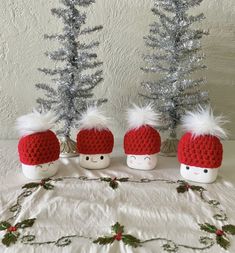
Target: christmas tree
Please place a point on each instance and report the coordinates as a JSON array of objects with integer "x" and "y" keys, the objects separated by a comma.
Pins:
[
  {"x": 176, "y": 46},
  {"x": 75, "y": 79}
]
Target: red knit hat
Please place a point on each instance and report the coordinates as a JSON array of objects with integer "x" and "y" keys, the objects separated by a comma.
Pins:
[
  {"x": 94, "y": 136},
  {"x": 38, "y": 145},
  {"x": 201, "y": 146},
  {"x": 142, "y": 138}
]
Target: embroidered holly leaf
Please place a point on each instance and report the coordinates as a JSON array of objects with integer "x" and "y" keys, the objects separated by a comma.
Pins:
[
  {"x": 123, "y": 179},
  {"x": 30, "y": 185},
  {"x": 47, "y": 179},
  {"x": 208, "y": 228},
  {"x": 113, "y": 184},
  {"x": 58, "y": 179},
  {"x": 26, "y": 223},
  {"x": 223, "y": 242},
  {"x": 4, "y": 225},
  {"x": 104, "y": 240},
  {"x": 197, "y": 188},
  {"x": 181, "y": 182},
  {"x": 106, "y": 179},
  {"x": 48, "y": 186},
  {"x": 117, "y": 228},
  {"x": 131, "y": 240},
  {"x": 10, "y": 238},
  {"x": 229, "y": 229},
  {"x": 181, "y": 189}
]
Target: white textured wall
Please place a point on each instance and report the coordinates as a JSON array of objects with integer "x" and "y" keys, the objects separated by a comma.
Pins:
[{"x": 24, "y": 22}]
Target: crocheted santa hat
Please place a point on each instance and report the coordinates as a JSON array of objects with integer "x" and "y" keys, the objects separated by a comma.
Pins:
[
  {"x": 201, "y": 146},
  {"x": 38, "y": 144},
  {"x": 142, "y": 138},
  {"x": 94, "y": 136}
]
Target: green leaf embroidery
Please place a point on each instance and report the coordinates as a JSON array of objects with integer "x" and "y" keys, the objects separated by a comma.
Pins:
[
  {"x": 26, "y": 223},
  {"x": 30, "y": 185},
  {"x": 123, "y": 179},
  {"x": 208, "y": 228},
  {"x": 229, "y": 229},
  {"x": 106, "y": 179},
  {"x": 131, "y": 240},
  {"x": 117, "y": 228},
  {"x": 10, "y": 238},
  {"x": 113, "y": 184},
  {"x": 48, "y": 186},
  {"x": 46, "y": 180},
  {"x": 181, "y": 189},
  {"x": 104, "y": 240},
  {"x": 224, "y": 243},
  {"x": 196, "y": 188},
  {"x": 4, "y": 225}
]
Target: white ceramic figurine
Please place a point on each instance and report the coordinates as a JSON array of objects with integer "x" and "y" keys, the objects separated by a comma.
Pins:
[
  {"x": 142, "y": 141},
  {"x": 38, "y": 147},
  {"x": 94, "y": 140},
  {"x": 200, "y": 150}
]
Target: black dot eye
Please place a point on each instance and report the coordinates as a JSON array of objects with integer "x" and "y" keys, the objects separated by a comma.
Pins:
[
  {"x": 102, "y": 157},
  {"x": 187, "y": 168},
  {"x": 205, "y": 171},
  {"x": 87, "y": 158}
]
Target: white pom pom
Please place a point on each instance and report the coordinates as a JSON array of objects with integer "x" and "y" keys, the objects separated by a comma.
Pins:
[
  {"x": 140, "y": 116},
  {"x": 35, "y": 122},
  {"x": 203, "y": 122},
  {"x": 93, "y": 118}
]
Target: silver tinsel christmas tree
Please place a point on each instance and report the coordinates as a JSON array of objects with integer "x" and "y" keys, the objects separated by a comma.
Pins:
[
  {"x": 176, "y": 55},
  {"x": 74, "y": 79}
]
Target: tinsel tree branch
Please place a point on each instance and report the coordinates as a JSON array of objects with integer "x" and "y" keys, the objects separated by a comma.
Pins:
[
  {"x": 176, "y": 47},
  {"x": 71, "y": 91}
]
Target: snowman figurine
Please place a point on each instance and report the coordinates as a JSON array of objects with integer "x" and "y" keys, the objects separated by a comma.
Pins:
[
  {"x": 200, "y": 150},
  {"x": 94, "y": 140},
  {"x": 142, "y": 141},
  {"x": 38, "y": 146}
]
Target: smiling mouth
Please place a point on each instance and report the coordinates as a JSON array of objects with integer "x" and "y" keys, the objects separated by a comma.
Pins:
[
  {"x": 44, "y": 170},
  {"x": 94, "y": 161},
  {"x": 195, "y": 173}
]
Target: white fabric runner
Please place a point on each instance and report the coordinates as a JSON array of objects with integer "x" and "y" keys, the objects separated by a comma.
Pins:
[{"x": 89, "y": 208}]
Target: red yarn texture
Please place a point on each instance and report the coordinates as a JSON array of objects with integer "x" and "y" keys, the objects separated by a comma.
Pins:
[
  {"x": 142, "y": 141},
  {"x": 39, "y": 148},
  {"x": 93, "y": 141},
  {"x": 205, "y": 151}
]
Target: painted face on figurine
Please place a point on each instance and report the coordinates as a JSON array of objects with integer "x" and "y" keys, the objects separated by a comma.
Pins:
[
  {"x": 40, "y": 171},
  {"x": 142, "y": 162},
  {"x": 198, "y": 174},
  {"x": 98, "y": 161}
]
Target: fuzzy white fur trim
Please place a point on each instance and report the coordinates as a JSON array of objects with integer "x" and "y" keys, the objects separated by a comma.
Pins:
[
  {"x": 93, "y": 118},
  {"x": 35, "y": 122},
  {"x": 203, "y": 122},
  {"x": 140, "y": 116}
]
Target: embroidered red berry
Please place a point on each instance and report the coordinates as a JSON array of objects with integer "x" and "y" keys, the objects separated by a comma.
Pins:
[
  {"x": 42, "y": 182},
  {"x": 188, "y": 186},
  {"x": 118, "y": 236},
  {"x": 12, "y": 229},
  {"x": 219, "y": 232}
]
